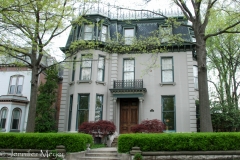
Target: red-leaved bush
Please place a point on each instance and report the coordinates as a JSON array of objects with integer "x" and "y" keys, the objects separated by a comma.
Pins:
[
  {"x": 149, "y": 126},
  {"x": 100, "y": 128}
]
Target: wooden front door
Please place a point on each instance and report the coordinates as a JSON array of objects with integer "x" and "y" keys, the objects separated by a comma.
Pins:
[{"x": 128, "y": 114}]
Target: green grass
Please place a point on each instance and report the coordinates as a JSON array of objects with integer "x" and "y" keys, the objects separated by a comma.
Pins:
[{"x": 97, "y": 146}]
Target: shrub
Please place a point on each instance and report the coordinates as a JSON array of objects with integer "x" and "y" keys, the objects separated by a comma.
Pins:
[
  {"x": 149, "y": 126},
  {"x": 137, "y": 156},
  {"x": 179, "y": 141},
  {"x": 100, "y": 128},
  {"x": 47, "y": 141}
]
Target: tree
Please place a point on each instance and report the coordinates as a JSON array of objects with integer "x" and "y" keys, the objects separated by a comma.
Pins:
[
  {"x": 45, "y": 121},
  {"x": 26, "y": 28},
  {"x": 199, "y": 13},
  {"x": 223, "y": 54}
]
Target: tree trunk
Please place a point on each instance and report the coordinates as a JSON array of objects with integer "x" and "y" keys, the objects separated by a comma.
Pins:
[
  {"x": 33, "y": 101},
  {"x": 205, "y": 114}
]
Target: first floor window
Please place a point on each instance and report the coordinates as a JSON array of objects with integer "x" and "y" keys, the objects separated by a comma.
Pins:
[
  {"x": 16, "y": 84},
  {"x": 99, "y": 107},
  {"x": 167, "y": 69},
  {"x": 168, "y": 112},
  {"x": 16, "y": 114},
  {"x": 70, "y": 113},
  {"x": 3, "y": 118},
  {"x": 83, "y": 109}
]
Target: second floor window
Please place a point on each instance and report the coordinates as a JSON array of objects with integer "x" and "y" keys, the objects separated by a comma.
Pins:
[
  {"x": 128, "y": 35},
  {"x": 128, "y": 69},
  {"x": 88, "y": 32},
  {"x": 167, "y": 69},
  {"x": 101, "y": 66},
  {"x": 195, "y": 76},
  {"x": 16, "y": 85},
  {"x": 86, "y": 67}
]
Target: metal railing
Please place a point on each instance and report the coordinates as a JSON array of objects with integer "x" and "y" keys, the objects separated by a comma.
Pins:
[{"x": 128, "y": 84}]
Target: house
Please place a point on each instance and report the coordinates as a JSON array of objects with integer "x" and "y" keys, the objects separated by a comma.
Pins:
[
  {"x": 15, "y": 94},
  {"x": 123, "y": 87}
]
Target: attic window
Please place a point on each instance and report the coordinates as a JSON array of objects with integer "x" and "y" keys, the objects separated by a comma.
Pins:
[
  {"x": 88, "y": 32},
  {"x": 129, "y": 34},
  {"x": 165, "y": 33},
  {"x": 104, "y": 33}
]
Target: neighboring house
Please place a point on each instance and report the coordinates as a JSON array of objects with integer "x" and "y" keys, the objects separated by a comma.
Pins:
[
  {"x": 15, "y": 95},
  {"x": 112, "y": 86}
]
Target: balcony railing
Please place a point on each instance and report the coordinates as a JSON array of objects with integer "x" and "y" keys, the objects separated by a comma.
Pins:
[{"x": 128, "y": 84}]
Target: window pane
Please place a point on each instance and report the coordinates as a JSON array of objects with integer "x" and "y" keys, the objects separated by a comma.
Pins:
[
  {"x": 98, "y": 115},
  {"x": 13, "y": 80},
  {"x": 128, "y": 65},
  {"x": 129, "y": 32},
  {"x": 16, "y": 114},
  {"x": 88, "y": 36},
  {"x": 4, "y": 113},
  {"x": 86, "y": 62},
  {"x": 12, "y": 89},
  {"x": 101, "y": 62},
  {"x": 167, "y": 76},
  {"x": 167, "y": 63},
  {"x": 195, "y": 71},
  {"x": 169, "y": 112},
  {"x": 100, "y": 75},
  {"x": 3, "y": 123},
  {"x": 99, "y": 102},
  {"x": 19, "y": 89},
  {"x": 20, "y": 80},
  {"x": 83, "y": 102},
  {"x": 88, "y": 28},
  {"x": 86, "y": 74},
  {"x": 129, "y": 76},
  {"x": 82, "y": 116},
  {"x": 15, "y": 119},
  {"x": 3, "y": 118},
  {"x": 168, "y": 104},
  {"x": 104, "y": 29},
  {"x": 168, "y": 118}
]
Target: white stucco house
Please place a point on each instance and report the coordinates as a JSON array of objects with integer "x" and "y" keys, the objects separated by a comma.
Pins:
[{"x": 117, "y": 86}]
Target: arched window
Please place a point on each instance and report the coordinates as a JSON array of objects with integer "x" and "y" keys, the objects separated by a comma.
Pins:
[
  {"x": 16, "y": 84},
  {"x": 3, "y": 115},
  {"x": 16, "y": 115}
]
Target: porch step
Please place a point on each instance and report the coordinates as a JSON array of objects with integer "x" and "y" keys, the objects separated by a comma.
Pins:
[
  {"x": 108, "y": 153},
  {"x": 115, "y": 142}
]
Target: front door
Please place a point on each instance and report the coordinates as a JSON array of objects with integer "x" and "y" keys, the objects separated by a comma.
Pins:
[{"x": 128, "y": 114}]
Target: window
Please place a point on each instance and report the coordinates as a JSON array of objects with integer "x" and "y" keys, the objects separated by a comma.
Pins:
[
  {"x": 168, "y": 112},
  {"x": 88, "y": 32},
  {"x": 128, "y": 35},
  {"x": 165, "y": 33},
  {"x": 16, "y": 85},
  {"x": 16, "y": 114},
  {"x": 3, "y": 118},
  {"x": 73, "y": 68},
  {"x": 167, "y": 69},
  {"x": 70, "y": 113},
  {"x": 99, "y": 107},
  {"x": 86, "y": 67},
  {"x": 101, "y": 67},
  {"x": 83, "y": 109},
  {"x": 128, "y": 69},
  {"x": 195, "y": 76},
  {"x": 104, "y": 33}
]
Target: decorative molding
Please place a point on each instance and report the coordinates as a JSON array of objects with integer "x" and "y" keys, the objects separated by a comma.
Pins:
[
  {"x": 141, "y": 99},
  {"x": 167, "y": 83},
  {"x": 100, "y": 82},
  {"x": 84, "y": 81},
  {"x": 114, "y": 99},
  {"x": 71, "y": 83}
]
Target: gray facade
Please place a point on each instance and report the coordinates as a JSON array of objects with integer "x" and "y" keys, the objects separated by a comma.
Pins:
[{"x": 127, "y": 88}]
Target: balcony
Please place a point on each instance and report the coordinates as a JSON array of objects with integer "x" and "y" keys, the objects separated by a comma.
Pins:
[{"x": 128, "y": 88}]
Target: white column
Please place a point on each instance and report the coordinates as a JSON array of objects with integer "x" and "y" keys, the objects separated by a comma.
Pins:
[
  {"x": 140, "y": 113},
  {"x": 115, "y": 111}
]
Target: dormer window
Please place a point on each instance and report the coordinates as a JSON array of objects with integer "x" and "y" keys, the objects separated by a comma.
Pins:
[
  {"x": 104, "y": 33},
  {"x": 165, "y": 33},
  {"x": 129, "y": 34},
  {"x": 16, "y": 85},
  {"x": 88, "y": 32}
]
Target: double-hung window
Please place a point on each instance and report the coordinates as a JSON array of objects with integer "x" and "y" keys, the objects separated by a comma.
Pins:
[
  {"x": 86, "y": 67},
  {"x": 70, "y": 113},
  {"x": 88, "y": 32},
  {"x": 16, "y": 115},
  {"x": 73, "y": 68},
  {"x": 195, "y": 76},
  {"x": 3, "y": 118},
  {"x": 168, "y": 112},
  {"x": 83, "y": 109},
  {"x": 165, "y": 33},
  {"x": 101, "y": 68},
  {"x": 16, "y": 85},
  {"x": 128, "y": 72},
  {"x": 129, "y": 34},
  {"x": 104, "y": 33},
  {"x": 167, "y": 69},
  {"x": 99, "y": 107}
]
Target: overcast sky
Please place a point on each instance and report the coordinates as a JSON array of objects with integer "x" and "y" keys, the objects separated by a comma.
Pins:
[{"x": 61, "y": 40}]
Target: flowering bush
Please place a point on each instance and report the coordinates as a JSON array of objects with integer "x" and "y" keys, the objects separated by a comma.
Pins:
[
  {"x": 100, "y": 128},
  {"x": 149, "y": 126}
]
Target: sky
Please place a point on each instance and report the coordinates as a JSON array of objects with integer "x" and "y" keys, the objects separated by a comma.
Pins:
[{"x": 61, "y": 40}]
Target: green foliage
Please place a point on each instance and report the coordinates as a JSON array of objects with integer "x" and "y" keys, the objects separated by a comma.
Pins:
[
  {"x": 179, "y": 142},
  {"x": 45, "y": 121},
  {"x": 97, "y": 146},
  {"x": 137, "y": 156},
  {"x": 47, "y": 141}
]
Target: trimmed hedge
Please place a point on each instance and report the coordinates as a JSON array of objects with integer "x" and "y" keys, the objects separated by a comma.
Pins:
[
  {"x": 73, "y": 142},
  {"x": 179, "y": 142}
]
